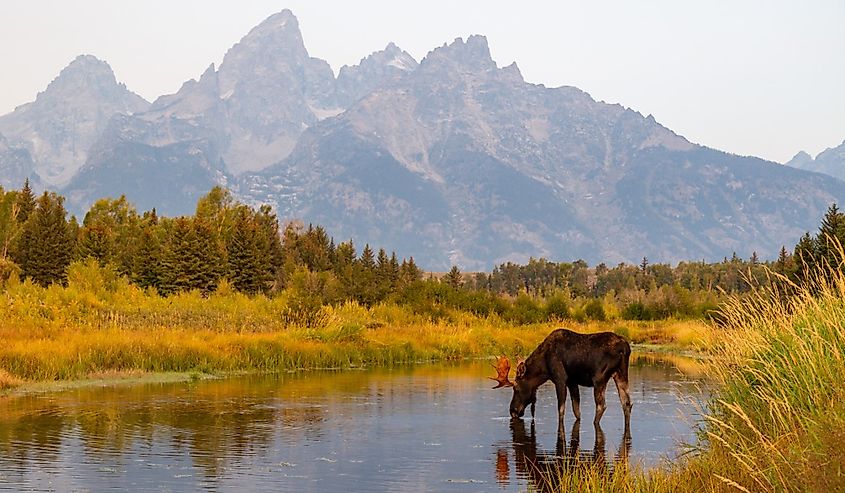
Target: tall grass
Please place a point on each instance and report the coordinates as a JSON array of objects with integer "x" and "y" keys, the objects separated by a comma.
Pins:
[
  {"x": 101, "y": 323},
  {"x": 777, "y": 422}
]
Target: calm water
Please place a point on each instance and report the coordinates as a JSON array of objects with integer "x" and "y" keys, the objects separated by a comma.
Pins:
[{"x": 426, "y": 428}]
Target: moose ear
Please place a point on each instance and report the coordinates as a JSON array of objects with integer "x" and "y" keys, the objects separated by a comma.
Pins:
[{"x": 520, "y": 369}]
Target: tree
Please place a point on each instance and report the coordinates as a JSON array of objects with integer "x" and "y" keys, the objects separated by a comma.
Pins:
[
  {"x": 365, "y": 289},
  {"x": 781, "y": 266},
  {"x": 805, "y": 257},
  {"x": 45, "y": 246},
  {"x": 831, "y": 238},
  {"x": 192, "y": 259},
  {"x": 247, "y": 259},
  {"x": 454, "y": 278},
  {"x": 147, "y": 263},
  {"x": 409, "y": 272},
  {"x": 110, "y": 233},
  {"x": 25, "y": 202}
]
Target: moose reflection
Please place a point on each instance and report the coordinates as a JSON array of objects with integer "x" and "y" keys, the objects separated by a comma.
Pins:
[{"x": 544, "y": 469}]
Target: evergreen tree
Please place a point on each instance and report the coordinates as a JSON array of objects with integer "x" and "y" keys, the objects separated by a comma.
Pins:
[
  {"x": 781, "y": 267},
  {"x": 44, "y": 248},
  {"x": 454, "y": 278},
  {"x": 96, "y": 241},
  {"x": 147, "y": 264},
  {"x": 247, "y": 260},
  {"x": 344, "y": 268},
  {"x": 805, "y": 257},
  {"x": 831, "y": 238},
  {"x": 365, "y": 267},
  {"x": 192, "y": 259},
  {"x": 25, "y": 203},
  {"x": 409, "y": 272}
]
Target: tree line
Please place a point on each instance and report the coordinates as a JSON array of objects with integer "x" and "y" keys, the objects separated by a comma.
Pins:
[
  {"x": 247, "y": 247},
  {"x": 224, "y": 239}
]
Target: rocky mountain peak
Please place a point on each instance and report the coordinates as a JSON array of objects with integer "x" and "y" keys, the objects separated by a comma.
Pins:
[
  {"x": 372, "y": 72},
  {"x": 800, "y": 160},
  {"x": 88, "y": 77},
  {"x": 472, "y": 54}
]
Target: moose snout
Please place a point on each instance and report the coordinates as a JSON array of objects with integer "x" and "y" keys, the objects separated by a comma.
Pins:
[{"x": 517, "y": 412}]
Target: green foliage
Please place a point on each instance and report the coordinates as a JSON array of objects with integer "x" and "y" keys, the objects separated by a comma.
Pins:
[{"x": 44, "y": 247}]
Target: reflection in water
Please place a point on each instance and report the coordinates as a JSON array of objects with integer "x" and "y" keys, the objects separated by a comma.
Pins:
[
  {"x": 435, "y": 428},
  {"x": 544, "y": 469}
]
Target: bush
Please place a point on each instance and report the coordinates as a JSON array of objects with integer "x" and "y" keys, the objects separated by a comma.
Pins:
[{"x": 557, "y": 307}]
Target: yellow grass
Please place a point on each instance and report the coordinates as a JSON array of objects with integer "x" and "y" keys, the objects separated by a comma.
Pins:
[{"x": 104, "y": 325}]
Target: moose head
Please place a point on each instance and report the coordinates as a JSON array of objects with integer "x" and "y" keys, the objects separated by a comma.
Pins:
[{"x": 523, "y": 393}]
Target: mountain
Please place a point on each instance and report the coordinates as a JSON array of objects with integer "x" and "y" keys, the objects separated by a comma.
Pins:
[
  {"x": 462, "y": 162},
  {"x": 242, "y": 117},
  {"x": 52, "y": 135},
  {"x": 379, "y": 69},
  {"x": 451, "y": 159},
  {"x": 831, "y": 161}
]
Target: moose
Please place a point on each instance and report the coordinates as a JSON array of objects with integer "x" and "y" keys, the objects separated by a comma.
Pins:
[{"x": 570, "y": 360}]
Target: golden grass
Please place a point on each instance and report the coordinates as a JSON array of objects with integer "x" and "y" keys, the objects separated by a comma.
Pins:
[
  {"x": 101, "y": 324},
  {"x": 778, "y": 420}
]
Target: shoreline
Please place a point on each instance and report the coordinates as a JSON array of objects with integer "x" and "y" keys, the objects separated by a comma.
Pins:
[{"x": 140, "y": 377}]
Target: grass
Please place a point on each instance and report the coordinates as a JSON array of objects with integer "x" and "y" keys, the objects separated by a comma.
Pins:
[
  {"x": 778, "y": 420},
  {"x": 102, "y": 325}
]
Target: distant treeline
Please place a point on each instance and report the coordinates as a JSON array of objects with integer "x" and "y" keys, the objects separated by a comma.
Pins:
[{"x": 247, "y": 247}]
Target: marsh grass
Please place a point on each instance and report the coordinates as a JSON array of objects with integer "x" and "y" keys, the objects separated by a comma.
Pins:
[
  {"x": 777, "y": 422},
  {"x": 101, "y": 324}
]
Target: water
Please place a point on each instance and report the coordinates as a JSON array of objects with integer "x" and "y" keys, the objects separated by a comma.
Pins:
[{"x": 425, "y": 428}]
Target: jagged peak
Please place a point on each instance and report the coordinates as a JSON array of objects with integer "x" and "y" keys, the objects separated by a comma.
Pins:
[
  {"x": 513, "y": 70},
  {"x": 85, "y": 66},
  {"x": 473, "y": 53},
  {"x": 391, "y": 55},
  {"x": 281, "y": 26},
  {"x": 87, "y": 74}
]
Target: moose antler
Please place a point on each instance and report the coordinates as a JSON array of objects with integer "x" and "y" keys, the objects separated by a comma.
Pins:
[{"x": 503, "y": 367}]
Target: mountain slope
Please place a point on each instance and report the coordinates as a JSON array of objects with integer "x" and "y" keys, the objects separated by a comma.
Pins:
[
  {"x": 463, "y": 162},
  {"x": 60, "y": 126},
  {"x": 831, "y": 162}
]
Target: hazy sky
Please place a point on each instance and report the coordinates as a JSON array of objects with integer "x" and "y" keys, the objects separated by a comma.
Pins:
[{"x": 764, "y": 78}]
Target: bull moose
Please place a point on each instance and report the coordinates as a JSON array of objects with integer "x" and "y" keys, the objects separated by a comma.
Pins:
[{"x": 570, "y": 360}]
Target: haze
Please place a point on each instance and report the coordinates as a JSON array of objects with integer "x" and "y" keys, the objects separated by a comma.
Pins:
[{"x": 754, "y": 78}]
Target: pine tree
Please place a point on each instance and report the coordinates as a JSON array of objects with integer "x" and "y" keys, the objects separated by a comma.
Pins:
[
  {"x": 831, "y": 238},
  {"x": 365, "y": 288},
  {"x": 96, "y": 241},
  {"x": 45, "y": 246},
  {"x": 454, "y": 278},
  {"x": 344, "y": 268},
  {"x": 147, "y": 268},
  {"x": 782, "y": 262},
  {"x": 25, "y": 203},
  {"x": 247, "y": 262},
  {"x": 409, "y": 272},
  {"x": 192, "y": 259},
  {"x": 805, "y": 257}
]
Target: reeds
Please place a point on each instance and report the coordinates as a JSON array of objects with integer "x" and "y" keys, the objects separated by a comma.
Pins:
[{"x": 777, "y": 422}]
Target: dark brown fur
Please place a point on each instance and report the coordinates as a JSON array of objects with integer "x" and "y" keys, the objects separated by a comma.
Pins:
[{"x": 570, "y": 360}]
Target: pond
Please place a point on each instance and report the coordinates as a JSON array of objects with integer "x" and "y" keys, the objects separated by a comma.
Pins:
[{"x": 435, "y": 427}]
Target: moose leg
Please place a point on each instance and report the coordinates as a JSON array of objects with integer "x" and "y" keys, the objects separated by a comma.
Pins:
[
  {"x": 598, "y": 393},
  {"x": 576, "y": 401},
  {"x": 560, "y": 388},
  {"x": 624, "y": 397}
]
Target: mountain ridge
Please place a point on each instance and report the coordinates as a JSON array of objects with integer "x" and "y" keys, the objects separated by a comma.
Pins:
[{"x": 451, "y": 159}]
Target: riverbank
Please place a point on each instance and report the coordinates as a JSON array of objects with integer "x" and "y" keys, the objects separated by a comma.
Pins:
[{"x": 58, "y": 334}]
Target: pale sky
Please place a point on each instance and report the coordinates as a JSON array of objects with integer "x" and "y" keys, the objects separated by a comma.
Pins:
[{"x": 763, "y": 78}]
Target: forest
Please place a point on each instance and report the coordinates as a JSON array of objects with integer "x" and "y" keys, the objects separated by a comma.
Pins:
[{"x": 251, "y": 251}]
